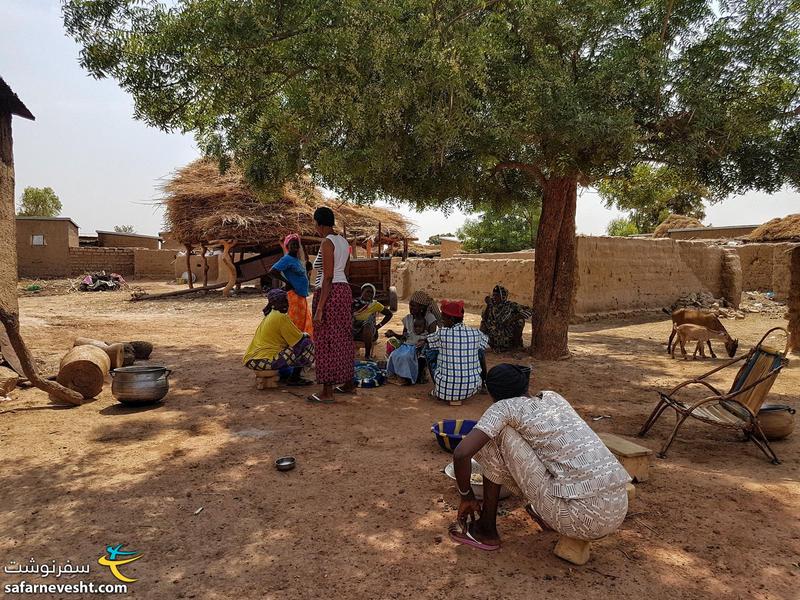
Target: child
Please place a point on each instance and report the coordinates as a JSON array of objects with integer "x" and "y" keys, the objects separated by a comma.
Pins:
[{"x": 404, "y": 359}]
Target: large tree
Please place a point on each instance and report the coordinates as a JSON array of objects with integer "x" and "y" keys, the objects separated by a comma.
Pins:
[
  {"x": 39, "y": 202},
  {"x": 454, "y": 102}
]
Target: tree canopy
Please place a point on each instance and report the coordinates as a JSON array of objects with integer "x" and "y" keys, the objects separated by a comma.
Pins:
[
  {"x": 651, "y": 194},
  {"x": 38, "y": 202},
  {"x": 124, "y": 228},
  {"x": 448, "y": 103},
  {"x": 498, "y": 230},
  {"x": 622, "y": 227}
]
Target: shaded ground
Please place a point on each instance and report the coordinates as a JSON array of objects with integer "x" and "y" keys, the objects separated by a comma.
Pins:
[{"x": 365, "y": 513}]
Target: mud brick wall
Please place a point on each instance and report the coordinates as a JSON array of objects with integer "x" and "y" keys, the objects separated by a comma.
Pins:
[
  {"x": 766, "y": 268},
  {"x": 154, "y": 264},
  {"x": 83, "y": 261},
  {"x": 614, "y": 275}
]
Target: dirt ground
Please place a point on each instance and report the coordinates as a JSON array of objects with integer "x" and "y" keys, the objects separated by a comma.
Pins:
[{"x": 365, "y": 513}]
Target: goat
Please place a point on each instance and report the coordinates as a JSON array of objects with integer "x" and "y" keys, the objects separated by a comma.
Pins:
[
  {"x": 695, "y": 333},
  {"x": 705, "y": 319}
]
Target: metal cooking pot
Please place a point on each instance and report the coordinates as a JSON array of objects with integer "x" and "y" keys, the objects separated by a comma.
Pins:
[{"x": 140, "y": 385}]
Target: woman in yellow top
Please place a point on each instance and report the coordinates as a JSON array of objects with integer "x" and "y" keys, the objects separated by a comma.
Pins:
[
  {"x": 365, "y": 325},
  {"x": 278, "y": 343}
]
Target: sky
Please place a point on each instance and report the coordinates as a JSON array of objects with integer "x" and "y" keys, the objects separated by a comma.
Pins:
[{"x": 106, "y": 167}]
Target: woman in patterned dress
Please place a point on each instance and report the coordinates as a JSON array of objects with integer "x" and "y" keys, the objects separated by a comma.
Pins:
[
  {"x": 333, "y": 336},
  {"x": 503, "y": 321},
  {"x": 537, "y": 447}
]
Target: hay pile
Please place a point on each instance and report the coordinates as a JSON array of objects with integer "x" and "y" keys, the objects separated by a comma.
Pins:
[
  {"x": 675, "y": 222},
  {"x": 203, "y": 204},
  {"x": 778, "y": 230}
]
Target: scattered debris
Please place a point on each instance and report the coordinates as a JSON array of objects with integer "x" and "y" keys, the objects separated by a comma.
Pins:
[
  {"x": 752, "y": 303},
  {"x": 198, "y": 511},
  {"x": 100, "y": 282}
]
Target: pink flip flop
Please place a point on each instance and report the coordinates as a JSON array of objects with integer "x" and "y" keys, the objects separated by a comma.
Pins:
[{"x": 466, "y": 538}]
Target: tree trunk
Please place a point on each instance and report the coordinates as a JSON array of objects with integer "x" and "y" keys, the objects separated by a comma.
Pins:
[{"x": 554, "y": 269}]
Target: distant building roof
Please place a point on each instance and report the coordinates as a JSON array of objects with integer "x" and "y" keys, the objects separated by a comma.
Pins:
[
  {"x": 139, "y": 235},
  {"x": 713, "y": 228},
  {"x": 21, "y": 218},
  {"x": 10, "y": 102},
  {"x": 449, "y": 239}
]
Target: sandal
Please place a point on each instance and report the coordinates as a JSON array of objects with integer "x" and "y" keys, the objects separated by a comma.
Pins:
[
  {"x": 465, "y": 537},
  {"x": 315, "y": 399},
  {"x": 339, "y": 389}
]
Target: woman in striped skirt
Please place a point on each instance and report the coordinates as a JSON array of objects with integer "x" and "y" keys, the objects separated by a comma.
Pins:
[
  {"x": 331, "y": 306},
  {"x": 537, "y": 447}
]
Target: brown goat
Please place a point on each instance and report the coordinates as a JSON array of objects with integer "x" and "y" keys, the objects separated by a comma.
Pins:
[{"x": 703, "y": 318}]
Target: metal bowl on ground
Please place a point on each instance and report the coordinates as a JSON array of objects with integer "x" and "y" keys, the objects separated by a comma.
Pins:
[
  {"x": 776, "y": 420},
  {"x": 477, "y": 488},
  {"x": 139, "y": 386},
  {"x": 285, "y": 463}
]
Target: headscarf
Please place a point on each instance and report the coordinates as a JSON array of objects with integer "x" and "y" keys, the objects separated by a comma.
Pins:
[
  {"x": 501, "y": 291},
  {"x": 276, "y": 294},
  {"x": 289, "y": 238},
  {"x": 359, "y": 304},
  {"x": 453, "y": 308},
  {"x": 508, "y": 381},
  {"x": 422, "y": 298}
]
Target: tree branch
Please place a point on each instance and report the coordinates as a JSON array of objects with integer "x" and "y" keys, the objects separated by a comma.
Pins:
[{"x": 520, "y": 166}]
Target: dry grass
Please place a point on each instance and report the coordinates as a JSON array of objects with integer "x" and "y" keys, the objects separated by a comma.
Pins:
[
  {"x": 785, "y": 229},
  {"x": 675, "y": 222},
  {"x": 203, "y": 204}
]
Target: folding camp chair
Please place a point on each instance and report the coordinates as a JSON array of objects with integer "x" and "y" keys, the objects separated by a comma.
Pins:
[{"x": 738, "y": 409}]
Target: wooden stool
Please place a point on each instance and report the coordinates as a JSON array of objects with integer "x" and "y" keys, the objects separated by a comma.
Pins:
[
  {"x": 572, "y": 550},
  {"x": 634, "y": 458},
  {"x": 266, "y": 379}
]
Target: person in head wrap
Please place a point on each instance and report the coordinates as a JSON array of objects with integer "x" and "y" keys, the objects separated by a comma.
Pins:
[
  {"x": 455, "y": 355},
  {"x": 503, "y": 320},
  {"x": 421, "y": 304},
  {"x": 538, "y": 447},
  {"x": 291, "y": 270},
  {"x": 365, "y": 325},
  {"x": 278, "y": 344},
  {"x": 406, "y": 351}
]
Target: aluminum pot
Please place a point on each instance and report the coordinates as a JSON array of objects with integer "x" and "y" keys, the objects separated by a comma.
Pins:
[{"x": 137, "y": 386}]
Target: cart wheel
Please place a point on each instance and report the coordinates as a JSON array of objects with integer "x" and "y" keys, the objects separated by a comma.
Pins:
[{"x": 393, "y": 299}]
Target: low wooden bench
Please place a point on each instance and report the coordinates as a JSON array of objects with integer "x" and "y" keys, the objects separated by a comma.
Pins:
[
  {"x": 267, "y": 379},
  {"x": 634, "y": 457}
]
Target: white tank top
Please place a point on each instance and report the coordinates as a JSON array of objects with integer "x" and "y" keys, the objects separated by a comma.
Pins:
[{"x": 341, "y": 252}]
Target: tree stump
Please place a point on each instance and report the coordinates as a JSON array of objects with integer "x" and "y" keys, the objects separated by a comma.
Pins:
[{"x": 84, "y": 369}]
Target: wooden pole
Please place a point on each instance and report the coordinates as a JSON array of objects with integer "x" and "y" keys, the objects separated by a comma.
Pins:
[
  {"x": 380, "y": 253},
  {"x": 189, "y": 265},
  {"x": 369, "y": 248},
  {"x": 205, "y": 265},
  {"x": 227, "y": 260},
  {"x": 405, "y": 249},
  {"x": 241, "y": 258}
]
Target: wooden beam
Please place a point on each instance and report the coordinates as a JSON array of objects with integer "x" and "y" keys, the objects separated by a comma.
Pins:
[
  {"x": 405, "y": 249},
  {"x": 11, "y": 323},
  {"x": 182, "y": 292},
  {"x": 380, "y": 253}
]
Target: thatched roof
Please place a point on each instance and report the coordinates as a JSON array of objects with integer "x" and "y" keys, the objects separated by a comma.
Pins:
[
  {"x": 675, "y": 222},
  {"x": 203, "y": 204},
  {"x": 785, "y": 229}
]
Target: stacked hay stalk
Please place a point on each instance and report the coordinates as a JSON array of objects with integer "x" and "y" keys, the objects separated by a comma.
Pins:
[
  {"x": 675, "y": 222},
  {"x": 786, "y": 229}
]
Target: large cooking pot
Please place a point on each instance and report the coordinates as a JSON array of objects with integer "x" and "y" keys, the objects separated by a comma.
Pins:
[
  {"x": 137, "y": 386},
  {"x": 776, "y": 420}
]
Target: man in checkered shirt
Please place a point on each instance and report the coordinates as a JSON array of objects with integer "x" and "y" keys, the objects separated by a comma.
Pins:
[{"x": 459, "y": 369}]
